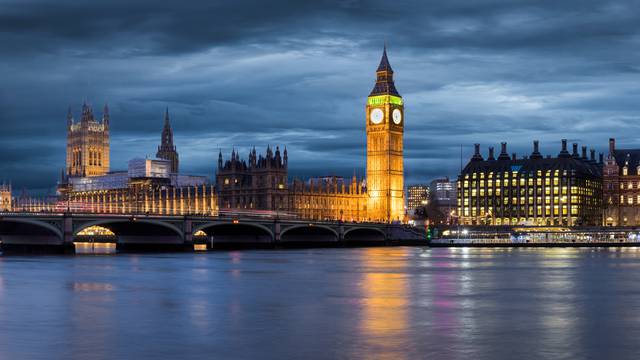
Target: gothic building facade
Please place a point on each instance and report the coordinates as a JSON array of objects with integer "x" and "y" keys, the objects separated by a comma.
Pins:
[
  {"x": 87, "y": 143},
  {"x": 259, "y": 184},
  {"x": 621, "y": 186}
]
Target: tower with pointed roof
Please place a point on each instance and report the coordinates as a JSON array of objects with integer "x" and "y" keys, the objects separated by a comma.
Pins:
[
  {"x": 385, "y": 129},
  {"x": 167, "y": 150},
  {"x": 87, "y": 143}
]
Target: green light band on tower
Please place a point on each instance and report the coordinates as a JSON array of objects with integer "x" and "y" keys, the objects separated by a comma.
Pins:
[{"x": 384, "y": 99}]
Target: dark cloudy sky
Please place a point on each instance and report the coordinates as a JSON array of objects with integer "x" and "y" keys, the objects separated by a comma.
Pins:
[{"x": 297, "y": 73}]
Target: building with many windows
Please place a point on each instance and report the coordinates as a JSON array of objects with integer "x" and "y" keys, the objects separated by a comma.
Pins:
[
  {"x": 417, "y": 196},
  {"x": 621, "y": 182},
  {"x": 534, "y": 190}
]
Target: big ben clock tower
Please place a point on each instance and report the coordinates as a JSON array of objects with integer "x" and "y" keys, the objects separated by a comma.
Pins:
[{"x": 385, "y": 127}]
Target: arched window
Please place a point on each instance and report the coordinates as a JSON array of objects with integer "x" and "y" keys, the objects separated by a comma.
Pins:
[{"x": 625, "y": 171}]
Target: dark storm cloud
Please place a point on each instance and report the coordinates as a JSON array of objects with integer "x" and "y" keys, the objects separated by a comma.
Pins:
[{"x": 296, "y": 73}]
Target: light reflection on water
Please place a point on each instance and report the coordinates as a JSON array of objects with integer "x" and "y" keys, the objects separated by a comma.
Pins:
[{"x": 374, "y": 303}]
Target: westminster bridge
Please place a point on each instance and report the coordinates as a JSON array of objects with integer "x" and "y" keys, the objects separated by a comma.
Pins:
[{"x": 64, "y": 232}]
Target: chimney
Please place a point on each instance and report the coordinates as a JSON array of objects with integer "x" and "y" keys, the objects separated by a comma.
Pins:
[
  {"x": 503, "y": 152},
  {"x": 476, "y": 153},
  {"x": 491, "y": 153},
  {"x": 575, "y": 154},
  {"x": 564, "y": 153},
  {"x": 536, "y": 150},
  {"x": 612, "y": 146},
  {"x": 584, "y": 153}
]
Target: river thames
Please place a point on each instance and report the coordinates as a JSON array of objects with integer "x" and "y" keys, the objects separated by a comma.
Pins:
[{"x": 369, "y": 303}]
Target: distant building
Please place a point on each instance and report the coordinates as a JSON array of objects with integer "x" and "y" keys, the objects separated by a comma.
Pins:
[
  {"x": 417, "y": 196},
  {"x": 443, "y": 192},
  {"x": 443, "y": 198},
  {"x": 621, "y": 182},
  {"x": 565, "y": 190},
  {"x": 6, "y": 199}
]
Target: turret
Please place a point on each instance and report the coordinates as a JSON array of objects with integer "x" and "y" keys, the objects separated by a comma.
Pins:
[
  {"x": 285, "y": 158},
  {"x": 105, "y": 116},
  {"x": 69, "y": 118},
  {"x": 87, "y": 113},
  {"x": 220, "y": 159}
]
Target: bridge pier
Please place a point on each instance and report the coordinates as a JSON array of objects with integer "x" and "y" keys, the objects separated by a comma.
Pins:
[
  {"x": 188, "y": 232},
  {"x": 67, "y": 225},
  {"x": 276, "y": 232}
]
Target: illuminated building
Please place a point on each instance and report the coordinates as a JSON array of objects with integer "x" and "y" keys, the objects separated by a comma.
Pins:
[
  {"x": 385, "y": 168},
  {"x": 329, "y": 198},
  {"x": 148, "y": 186},
  {"x": 167, "y": 150},
  {"x": 417, "y": 196},
  {"x": 621, "y": 181},
  {"x": 6, "y": 200},
  {"x": 259, "y": 184},
  {"x": 534, "y": 190},
  {"x": 88, "y": 144}
]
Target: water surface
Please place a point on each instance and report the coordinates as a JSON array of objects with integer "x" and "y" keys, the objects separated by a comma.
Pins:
[{"x": 373, "y": 303}]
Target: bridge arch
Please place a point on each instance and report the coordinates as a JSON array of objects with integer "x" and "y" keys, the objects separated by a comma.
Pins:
[
  {"x": 309, "y": 233},
  {"x": 28, "y": 227},
  {"x": 365, "y": 234},
  {"x": 236, "y": 232},
  {"x": 131, "y": 229}
]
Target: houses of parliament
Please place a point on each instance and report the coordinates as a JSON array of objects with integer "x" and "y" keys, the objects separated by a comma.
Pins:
[{"x": 258, "y": 184}]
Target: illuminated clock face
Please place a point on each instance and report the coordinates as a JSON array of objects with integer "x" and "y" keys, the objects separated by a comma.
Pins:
[
  {"x": 377, "y": 116},
  {"x": 397, "y": 116}
]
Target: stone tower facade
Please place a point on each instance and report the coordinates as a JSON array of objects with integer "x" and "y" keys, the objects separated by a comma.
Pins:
[
  {"x": 385, "y": 128},
  {"x": 167, "y": 150},
  {"x": 87, "y": 144}
]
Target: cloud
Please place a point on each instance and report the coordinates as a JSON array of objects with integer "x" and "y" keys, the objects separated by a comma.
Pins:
[{"x": 239, "y": 74}]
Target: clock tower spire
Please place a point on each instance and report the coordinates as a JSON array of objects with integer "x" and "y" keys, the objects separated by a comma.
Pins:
[{"x": 385, "y": 129}]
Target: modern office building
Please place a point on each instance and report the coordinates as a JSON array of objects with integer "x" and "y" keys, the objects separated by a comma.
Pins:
[{"x": 533, "y": 190}]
